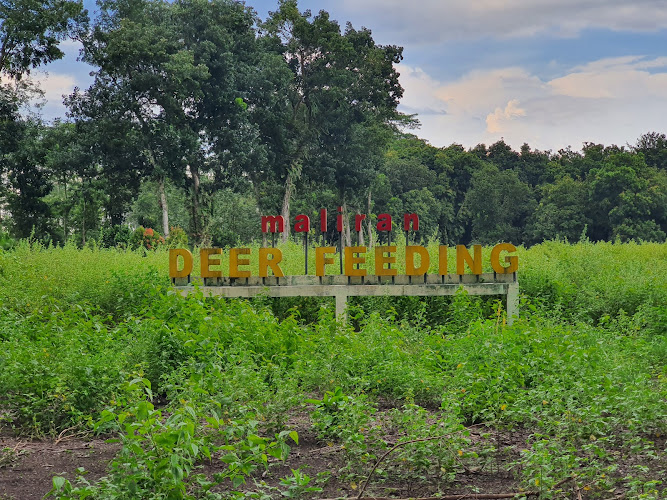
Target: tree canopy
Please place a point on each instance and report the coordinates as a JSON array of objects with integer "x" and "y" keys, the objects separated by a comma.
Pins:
[{"x": 203, "y": 116}]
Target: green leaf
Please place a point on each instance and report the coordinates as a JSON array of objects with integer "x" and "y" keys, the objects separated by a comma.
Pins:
[
  {"x": 143, "y": 410},
  {"x": 59, "y": 482},
  {"x": 256, "y": 440}
]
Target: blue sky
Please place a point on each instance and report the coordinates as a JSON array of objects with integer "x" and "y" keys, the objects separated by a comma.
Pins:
[{"x": 552, "y": 73}]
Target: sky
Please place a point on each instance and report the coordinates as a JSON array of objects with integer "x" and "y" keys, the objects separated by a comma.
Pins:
[{"x": 550, "y": 73}]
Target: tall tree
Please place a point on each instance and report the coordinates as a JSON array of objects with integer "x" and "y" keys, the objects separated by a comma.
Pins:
[
  {"x": 29, "y": 184},
  {"x": 561, "y": 212},
  {"x": 343, "y": 95},
  {"x": 30, "y": 34},
  {"x": 627, "y": 199},
  {"x": 31, "y": 31},
  {"x": 180, "y": 80},
  {"x": 497, "y": 206},
  {"x": 653, "y": 146},
  {"x": 146, "y": 79}
]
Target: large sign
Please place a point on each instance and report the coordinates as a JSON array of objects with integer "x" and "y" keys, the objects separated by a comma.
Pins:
[
  {"x": 355, "y": 277},
  {"x": 181, "y": 261},
  {"x": 352, "y": 258}
]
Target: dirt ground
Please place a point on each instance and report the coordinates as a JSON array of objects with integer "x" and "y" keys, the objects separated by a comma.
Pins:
[
  {"x": 27, "y": 469},
  {"x": 28, "y": 466}
]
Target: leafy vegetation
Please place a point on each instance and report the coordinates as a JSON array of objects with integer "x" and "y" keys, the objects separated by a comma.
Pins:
[
  {"x": 202, "y": 394},
  {"x": 202, "y": 116}
]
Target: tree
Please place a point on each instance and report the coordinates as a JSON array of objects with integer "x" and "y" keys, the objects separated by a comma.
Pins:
[
  {"x": 503, "y": 156},
  {"x": 31, "y": 31},
  {"x": 79, "y": 192},
  {"x": 146, "y": 79},
  {"x": 242, "y": 101},
  {"x": 627, "y": 199},
  {"x": 561, "y": 212},
  {"x": 343, "y": 95},
  {"x": 654, "y": 148},
  {"x": 456, "y": 173},
  {"x": 29, "y": 184},
  {"x": 179, "y": 80},
  {"x": 533, "y": 166},
  {"x": 497, "y": 206},
  {"x": 30, "y": 34},
  {"x": 423, "y": 202}
]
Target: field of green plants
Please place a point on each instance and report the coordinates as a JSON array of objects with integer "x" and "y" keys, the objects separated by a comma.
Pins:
[{"x": 211, "y": 398}]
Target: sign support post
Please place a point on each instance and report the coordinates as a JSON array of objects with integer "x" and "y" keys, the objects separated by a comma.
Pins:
[{"x": 341, "y": 288}]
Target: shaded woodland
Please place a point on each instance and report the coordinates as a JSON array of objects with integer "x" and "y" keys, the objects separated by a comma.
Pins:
[{"x": 203, "y": 117}]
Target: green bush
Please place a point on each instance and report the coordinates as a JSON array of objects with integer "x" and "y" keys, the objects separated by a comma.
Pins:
[{"x": 146, "y": 238}]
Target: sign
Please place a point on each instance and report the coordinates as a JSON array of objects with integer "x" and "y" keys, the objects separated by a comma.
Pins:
[
  {"x": 356, "y": 276},
  {"x": 417, "y": 261}
]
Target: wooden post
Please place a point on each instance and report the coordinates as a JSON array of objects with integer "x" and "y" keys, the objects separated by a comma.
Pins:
[
  {"x": 341, "y": 308},
  {"x": 512, "y": 302},
  {"x": 341, "y": 288},
  {"x": 305, "y": 245}
]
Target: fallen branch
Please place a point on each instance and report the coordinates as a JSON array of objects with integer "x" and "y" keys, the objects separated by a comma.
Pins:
[
  {"x": 370, "y": 474},
  {"x": 420, "y": 440},
  {"x": 63, "y": 436},
  {"x": 463, "y": 496},
  {"x": 449, "y": 497}
]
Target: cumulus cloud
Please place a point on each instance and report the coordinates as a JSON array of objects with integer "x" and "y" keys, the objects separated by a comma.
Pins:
[
  {"x": 55, "y": 85},
  {"x": 421, "y": 98},
  {"x": 434, "y": 21},
  {"x": 495, "y": 121},
  {"x": 612, "y": 101}
]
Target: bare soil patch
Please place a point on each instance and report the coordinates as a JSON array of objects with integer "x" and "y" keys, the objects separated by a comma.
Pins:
[{"x": 28, "y": 466}]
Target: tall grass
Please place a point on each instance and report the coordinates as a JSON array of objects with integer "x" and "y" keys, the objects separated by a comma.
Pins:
[{"x": 82, "y": 331}]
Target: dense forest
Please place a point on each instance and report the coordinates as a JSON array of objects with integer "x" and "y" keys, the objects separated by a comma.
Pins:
[{"x": 202, "y": 117}]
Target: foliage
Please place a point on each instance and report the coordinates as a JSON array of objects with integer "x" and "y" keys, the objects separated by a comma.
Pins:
[
  {"x": 145, "y": 238},
  {"x": 177, "y": 238},
  {"x": 93, "y": 339},
  {"x": 6, "y": 241},
  {"x": 31, "y": 32},
  {"x": 203, "y": 116},
  {"x": 115, "y": 236}
]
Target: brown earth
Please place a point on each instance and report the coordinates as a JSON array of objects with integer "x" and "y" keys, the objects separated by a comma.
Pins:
[{"x": 28, "y": 466}]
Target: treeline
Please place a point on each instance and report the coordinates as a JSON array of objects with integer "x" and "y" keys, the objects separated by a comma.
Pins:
[
  {"x": 201, "y": 116},
  {"x": 491, "y": 194}
]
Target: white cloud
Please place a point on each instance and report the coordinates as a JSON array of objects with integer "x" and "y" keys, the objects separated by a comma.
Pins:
[
  {"x": 495, "y": 121},
  {"x": 434, "y": 21},
  {"x": 421, "y": 99},
  {"x": 55, "y": 85},
  {"x": 607, "y": 101}
]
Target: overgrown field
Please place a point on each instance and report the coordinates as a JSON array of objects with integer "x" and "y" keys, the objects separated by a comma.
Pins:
[{"x": 231, "y": 399}]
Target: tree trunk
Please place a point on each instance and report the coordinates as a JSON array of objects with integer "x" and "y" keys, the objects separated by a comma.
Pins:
[
  {"x": 196, "y": 217},
  {"x": 370, "y": 223},
  {"x": 163, "y": 207},
  {"x": 347, "y": 240},
  {"x": 289, "y": 189},
  {"x": 83, "y": 219},
  {"x": 360, "y": 234},
  {"x": 162, "y": 200},
  {"x": 65, "y": 211}
]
